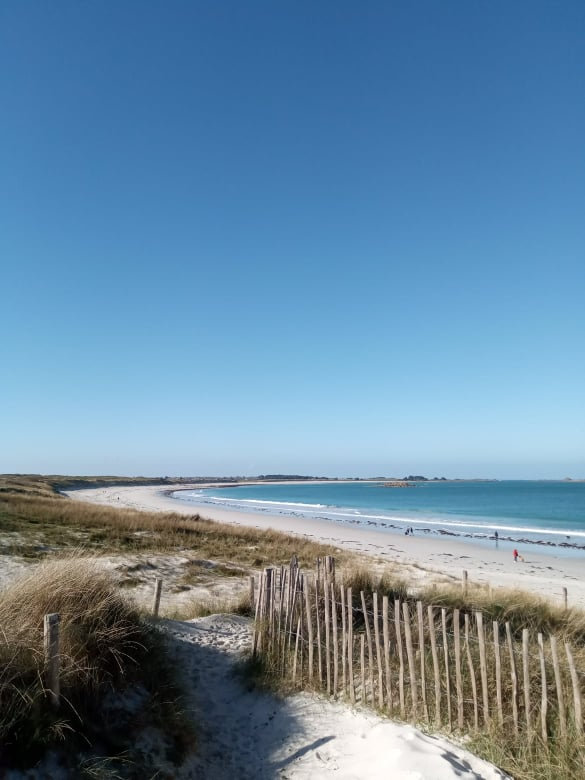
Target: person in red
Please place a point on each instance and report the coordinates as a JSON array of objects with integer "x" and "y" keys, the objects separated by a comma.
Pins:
[{"x": 515, "y": 554}]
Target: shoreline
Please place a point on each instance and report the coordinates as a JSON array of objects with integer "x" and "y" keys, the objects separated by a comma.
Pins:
[
  {"x": 431, "y": 527},
  {"x": 544, "y": 574}
]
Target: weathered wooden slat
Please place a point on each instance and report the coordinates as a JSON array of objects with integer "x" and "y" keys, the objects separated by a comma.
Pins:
[
  {"x": 411, "y": 663},
  {"x": 436, "y": 668},
  {"x": 544, "y": 697},
  {"x": 335, "y": 641},
  {"x": 559, "y": 687},
  {"x": 526, "y": 679},
  {"x": 483, "y": 667},
  {"x": 421, "y": 649},
  {"x": 363, "y": 666},
  {"x": 309, "y": 629},
  {"x": 157, "y": 592},
  {"x": 350, "y": 645},
  {"x": 458, "y": 675},
  {"x": 514, "y": 676},
  {"x": 386, "y": 633},
  {"x": 327, "y": 633},
  {"x": 471, "y": 674},
  {"x": 378, "y": 653},
  {"x": 576, "y": 690},
  {"x": 447, "y": 672},
  {"x": 498, "y": 660},
  {"x": 370, "y": 648},
  {"x": 343, "y": 639},
  {"x": 53, "y": 657},
  {"x": 318, "y": 621},
  {"x": 400, "y": 656}
]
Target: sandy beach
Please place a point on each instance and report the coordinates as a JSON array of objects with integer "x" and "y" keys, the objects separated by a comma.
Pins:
[{"x": 426, "y": 558}]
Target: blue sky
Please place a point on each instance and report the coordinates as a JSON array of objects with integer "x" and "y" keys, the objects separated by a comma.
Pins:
[{"x": 336, "y": 238}]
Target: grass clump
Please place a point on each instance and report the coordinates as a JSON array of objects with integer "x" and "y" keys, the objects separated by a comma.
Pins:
[
  {"x": 107, "y": 653},
  {"x": 197, "y": 607}
]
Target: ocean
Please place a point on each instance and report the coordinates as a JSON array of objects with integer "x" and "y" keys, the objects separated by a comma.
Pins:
[{"x": 548, "y": 514}]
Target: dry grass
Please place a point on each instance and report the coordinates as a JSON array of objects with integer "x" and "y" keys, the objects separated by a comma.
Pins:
[
  {"x": 106, "y": 647},
  {"x": 197, "y": 607},
  {"x": 520, "y": 608},
  {"x": 36, "y": 522}
]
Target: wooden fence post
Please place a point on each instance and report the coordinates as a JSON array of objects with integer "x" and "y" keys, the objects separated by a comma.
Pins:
[
  {"x": 257, "y": 634},
  {"x": 566, "y": 598},
  {"x": 559, "y": 686},
  {"x": 436, "y": 668},
  {"x": 576, "y": 690},
  {"x": 335, "y": 641},
  {"x": 464, "y": 582},
  {"x": 330, "y": 568},
  {"x": 526, "y": 678},
  {"x": 386, "y": 633},
  {"x": 544, "y": 699},
  {"x": 309, "y": 626},
  {"x": 350, "y": 646},
  {"x": 363, "y": 666},
  {"x": 483, "y": 667},
  {"x": 157, "y": 591},
  {"x": 252, "y": 600},
  {"x": 447, "y": 675},
  {"x": 319, "y": 653},
  {"x": 421, "y": 649},
  {"x": 327, "y": 633},
  {"x": 458, "y": 677},
  {"x": 400, "y": 656},
  {"x": 496, "y": 630},
  {"x": 268, "y": 605},
  {"x": 294, "y": 674},
  {"x": 51, "y": 631},
  {"x": 370, "y": 649},
  {"x": 378, "y": 653},
  {"x": 514, "y": 677},
  {"x": 411, "y": 664},
  {"x": 343, "y": 639},
  {"x": 471, "y": 673}
]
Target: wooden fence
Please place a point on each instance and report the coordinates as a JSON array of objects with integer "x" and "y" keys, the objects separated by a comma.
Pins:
[{"x": 417, "y": 662}]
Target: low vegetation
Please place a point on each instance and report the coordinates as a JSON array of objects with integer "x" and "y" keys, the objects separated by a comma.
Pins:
[
  {"x": 36, "y": 521},
  {"x": 520, "y": 608},
  {"x": 110, "y": 657}
]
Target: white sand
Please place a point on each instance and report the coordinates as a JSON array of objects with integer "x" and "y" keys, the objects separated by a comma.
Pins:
[
  {"x": 251, "y": 735},
  {"x": 427, "y": 557}
]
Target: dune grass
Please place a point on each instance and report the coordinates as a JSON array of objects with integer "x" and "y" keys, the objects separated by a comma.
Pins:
[
  {"x": 520, "y": 608},
  {"x": 36, "y": 521},
  {"x": 107, "y": 651}
]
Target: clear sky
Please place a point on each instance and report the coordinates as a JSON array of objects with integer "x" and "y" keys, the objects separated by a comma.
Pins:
[{"x": 344, "y": 238}]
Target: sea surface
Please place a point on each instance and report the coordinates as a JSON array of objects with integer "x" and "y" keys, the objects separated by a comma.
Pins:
[{"x": 548, "y": 514}]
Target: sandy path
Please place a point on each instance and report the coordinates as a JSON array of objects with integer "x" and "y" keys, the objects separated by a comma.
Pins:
[
  {"x": 542, "y": 573},
  {"x": 250, "y": 735}
]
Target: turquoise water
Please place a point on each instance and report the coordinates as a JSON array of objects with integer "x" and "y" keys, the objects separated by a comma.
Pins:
[{"x": 547, "y": 513}]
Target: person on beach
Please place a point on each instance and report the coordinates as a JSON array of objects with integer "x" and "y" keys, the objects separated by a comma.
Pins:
[
  {"x": 496, "y": 537},
  {"x": 515, "y": 554}
]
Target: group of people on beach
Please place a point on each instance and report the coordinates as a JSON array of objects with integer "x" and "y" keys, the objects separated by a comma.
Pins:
[{"x": 409, "y": 532}]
